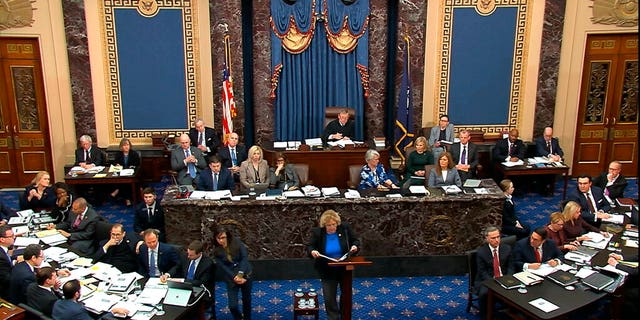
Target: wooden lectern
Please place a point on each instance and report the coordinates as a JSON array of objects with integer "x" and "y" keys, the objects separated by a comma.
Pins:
[{"x": 346, "y": 294}]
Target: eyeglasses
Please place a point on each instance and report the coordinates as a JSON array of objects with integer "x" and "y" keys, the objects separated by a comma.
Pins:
[{"x": 11, "y": 236}]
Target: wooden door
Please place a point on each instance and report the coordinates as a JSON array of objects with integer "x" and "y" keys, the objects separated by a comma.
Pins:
[
  {"x": 608, "y": 112},
  {"x": 25, "y": 148}
]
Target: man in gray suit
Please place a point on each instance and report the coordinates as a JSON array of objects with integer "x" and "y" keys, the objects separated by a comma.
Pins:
[
  {"x": 441, "y": 134},
  {"x": 188, "y": 161},
  {"x": 80, "y": 227}
]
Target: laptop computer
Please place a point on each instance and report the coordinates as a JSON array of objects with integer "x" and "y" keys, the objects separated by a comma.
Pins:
[{"x": 178, "y": 293}]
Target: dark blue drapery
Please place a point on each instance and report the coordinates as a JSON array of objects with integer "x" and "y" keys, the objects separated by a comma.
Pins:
[{"x": 319, "y": 59}]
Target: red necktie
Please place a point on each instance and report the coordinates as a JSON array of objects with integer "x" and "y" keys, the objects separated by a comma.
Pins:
[
  {"x": 538, "y": 258},
  {"x": 77, "y": 222},
  {"x": 496, "y": 264},
  {"x": 590, "y": 202},
  {"x": 512, "y": 149}
]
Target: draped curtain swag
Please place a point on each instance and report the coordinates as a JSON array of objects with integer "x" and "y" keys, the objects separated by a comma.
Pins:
[{"x": 319, "y": 51}]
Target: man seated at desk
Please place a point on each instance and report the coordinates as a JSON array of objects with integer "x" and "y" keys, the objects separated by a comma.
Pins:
[
  {"x": 215, "y": 177},
  {"x": 612, "y": 182},
  {"x": 157, "y": 259},
  {"x": 591, "y": 200},
  {"x": 487, "y": 254},
  {"x": 88, "y": 156},
  {"x": 42, "y": 294},
  {"x": 70, "y": 309},
  {"x": 465, "y": 156},
  {"x": 204, "y": 138},
  {"x": 119, "y": 251},
  {"x": 232, "y": 155},
  {"x": 79, "y": 227},
  {"x": 339, "y": 129},
  {"x": 510, "y": 149},
  {"x": 188, "y": 161},
  {"x": 547, "y": 146},
  {"x": 533, "y": 251},
  {"x": 199, "y": 269}
]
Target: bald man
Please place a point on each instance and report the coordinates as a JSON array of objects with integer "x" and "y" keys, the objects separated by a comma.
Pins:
[{"x": 188, "y": 161}]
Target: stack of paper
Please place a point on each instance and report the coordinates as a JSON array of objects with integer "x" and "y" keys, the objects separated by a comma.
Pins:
[
  {"x": 418, "y": 189},
  {"x": 352, "y": 194},
  {"x": 330, "y": 192},
  {"x": 512, "y": 163},
  {"x": 293, "y": 194},
  {"x": 311, "y": 191}
]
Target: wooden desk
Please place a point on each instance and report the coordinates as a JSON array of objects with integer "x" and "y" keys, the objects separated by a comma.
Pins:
[
  {"x": 10, "y": 311},
  {"x": 328, "y": 168},
  {"x": 90, "y": 179},
  {"x": 525, "y": 170}
]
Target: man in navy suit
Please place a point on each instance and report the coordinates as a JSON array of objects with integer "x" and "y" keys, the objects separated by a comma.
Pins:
[
  {"x": 41, "y": 295},
  {"x": 157, "y": 259},
  {"x": 7, "y": 237},
  {"x": 119, "y": 250},
  {"x": 70, "y": 308},
  {"x": 548, "y": 146},
  {"x": 24, "y": 273},
  {"x": 88, "y": 156},
  {"x": 612, "y": 182},
  {"x": 591, "y": 200},
  {"x": 232, "y": 155},
  {"x": 533, "y": 251},
  {"x": 188, "y": 161},
  {"x": 215, "y": 177},
  {"x": 199, "y": 269},
  {"x": 509, "y": 149},
  {"x": 149, "y": 215},
  {"x": 485, "y": 263},
  {"x": 6, "y": 213},
  {"x": 204, "y": 138},
  {"x": 465, "y": 156}
]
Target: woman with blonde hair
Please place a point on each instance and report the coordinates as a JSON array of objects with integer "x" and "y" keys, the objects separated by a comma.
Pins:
[
  {"x": 254, "y": 170},
  {"x": 556, "y": 233},
  {"x": 39, "y": 195},
  {"x": 574, "y": 226},
  {"x": 416, "y": 161},
  {"x": 331, "y": 239}
]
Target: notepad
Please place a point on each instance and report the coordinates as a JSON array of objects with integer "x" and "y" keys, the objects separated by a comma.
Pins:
[{"x": 472, "y": 183}]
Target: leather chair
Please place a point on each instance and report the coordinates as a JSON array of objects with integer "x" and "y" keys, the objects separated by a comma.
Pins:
[
  {"x": 354, "y": 176},
  {"x": 103, "y": 231},
  {"x": 33, "y": 313},
  {"x": 302, "y": 170},
  {"x": 331, "y": 113}
]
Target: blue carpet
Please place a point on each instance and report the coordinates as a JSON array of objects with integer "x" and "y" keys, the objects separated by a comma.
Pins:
[{"x": 374, "y": 298}]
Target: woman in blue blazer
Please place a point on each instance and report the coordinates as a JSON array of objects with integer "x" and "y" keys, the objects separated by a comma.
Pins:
[{"x": 444, "y": 174}]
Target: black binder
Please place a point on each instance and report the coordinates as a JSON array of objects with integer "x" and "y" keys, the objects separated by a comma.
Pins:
[
  {"x": 597, "y": 281},
  {"x": 509, "y": 282},
  {"x": 562, "y": 278}
]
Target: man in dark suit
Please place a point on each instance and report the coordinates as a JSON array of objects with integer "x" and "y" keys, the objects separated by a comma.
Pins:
[
  {"x": 533, "y": 251},
  {"x": 119, "y": 250},
  {"x": 149, "y": 215},
  {"x": 612, "y": 182},
  {"x": 188, "y": 161},
  {"x": 547, "y": 146},
  {"x": 70, "y": 308},
  {"x": 215, "y": 177},
  {"x": 591, "y": 200},
  {"x": 232, "y": 155},
  {"x": 339, "y": 129},
  {"x": 199, "y": 269},
  {"x": 6, "y": 213},
  {"x": 88, "y": 156},
  {"x": 41, "y": 295},
  {"x": 487, "y": 254},
  {"x": 157, "y": 259},
  {"x": 7, "y": 237},
  {"x": 80, "y": 227},
  {"x": 24, "y": 273},
  {"x": 204, "y": 138},
  {"x": 465, "y": 156},
  {"x": 509, "y": 149}
]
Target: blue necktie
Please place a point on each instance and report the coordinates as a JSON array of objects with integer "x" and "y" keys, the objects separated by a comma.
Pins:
[
  {"x": 234, "y": 160},
  {"x": 215, "y": 181},
  {"x": 152, "y": 264},
  {"x": 190, "y": 166},
  {"x": 192, "y": 270}
]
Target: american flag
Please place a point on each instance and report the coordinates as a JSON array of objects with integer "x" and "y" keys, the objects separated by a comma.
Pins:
[{"x": 228, "y": 104}]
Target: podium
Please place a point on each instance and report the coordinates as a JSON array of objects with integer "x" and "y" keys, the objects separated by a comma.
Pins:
[{"x": 346, "y": 284}]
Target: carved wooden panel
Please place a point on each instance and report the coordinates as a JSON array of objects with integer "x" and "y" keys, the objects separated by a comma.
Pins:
[
  {"x": 589, "y": 152},
  {"x": 33, "y": 161},
  {"x": 25, "y": 98},
  {"x": 5, "y": 163}
]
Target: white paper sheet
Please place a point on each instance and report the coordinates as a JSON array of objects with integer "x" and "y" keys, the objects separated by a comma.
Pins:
[{"x": 543, "y": 305}]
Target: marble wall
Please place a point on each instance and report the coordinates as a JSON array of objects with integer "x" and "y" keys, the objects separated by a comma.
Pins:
[
  {"x": 549, "y": 65},
  {"x": 79, "y": 67}
]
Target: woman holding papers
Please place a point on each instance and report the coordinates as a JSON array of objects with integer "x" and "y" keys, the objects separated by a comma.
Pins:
[
  {"x": 510, "y": 223},
  {"x": 39, "y": 195},
  {"x": 574, "y": 226},
  {"x": 373, "y": 175},
  {"x": 415, "y": 163},
  {"x": 444, "y": 174},
  {"x": 331, "y": 241},
  {"x": 126, "y": 158},
  {"x": 254, "y": 170},
  {"x": 232, "y": 259},
  {"x": 283, "y": 175},
  {"x": 556, "y": 233}
]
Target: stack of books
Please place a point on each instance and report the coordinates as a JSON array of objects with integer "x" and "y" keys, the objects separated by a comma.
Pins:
[{"x": 379, "y": 142}]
